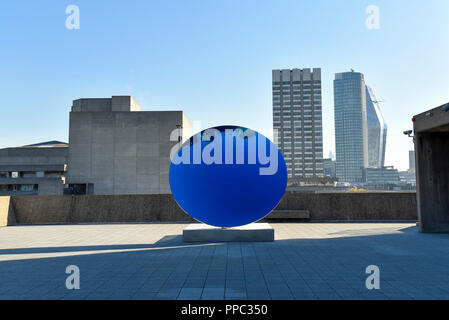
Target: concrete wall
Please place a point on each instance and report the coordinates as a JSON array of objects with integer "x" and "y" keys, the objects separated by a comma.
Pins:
[
  {"x": 115, "y": 103},
  {"x": 92, "y": 105},
  {"x": 353, "y": 205},
  {"x": 431, "y": 140},
  {"x": 51, "y": 186},
  {"x": 97, "y": 208},
  {"x": 122, "y": 152},
  {"x": 432, "y": 181},
  {"x": 323, "y": 206},
  {"x": 7, "y": 216},
  {"x": 33, "y": 159}
]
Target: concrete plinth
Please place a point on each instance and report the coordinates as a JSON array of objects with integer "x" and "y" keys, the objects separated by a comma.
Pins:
[{"x": 199, "y": 232}]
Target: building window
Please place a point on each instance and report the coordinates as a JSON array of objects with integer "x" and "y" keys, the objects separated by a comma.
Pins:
[{"x": 27, "y": 187}]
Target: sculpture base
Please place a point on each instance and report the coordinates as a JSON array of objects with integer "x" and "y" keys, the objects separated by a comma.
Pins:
[{"x": 254, "y": 232}]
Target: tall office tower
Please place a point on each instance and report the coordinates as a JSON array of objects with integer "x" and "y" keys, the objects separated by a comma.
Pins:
[
  {"x": 351, "y": 139},
  {"x": 411, "y": 160},
  {"x": 297, "y": 119},
  {"x": 377, "y": 131}
]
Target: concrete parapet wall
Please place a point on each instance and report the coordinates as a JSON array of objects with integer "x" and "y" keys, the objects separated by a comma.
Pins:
[
  {"x": 97, "y": 208},
  {"x": 7, "y": 216},
  {"x": 352, "y": 206},
  {"x": 323, "y": 206}
]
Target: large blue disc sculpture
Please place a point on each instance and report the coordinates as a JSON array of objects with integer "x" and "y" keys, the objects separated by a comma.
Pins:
[{"x": 228, "y": 176}]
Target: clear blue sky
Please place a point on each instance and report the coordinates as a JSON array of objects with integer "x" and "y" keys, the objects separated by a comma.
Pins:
[{"x": 213, "y": 59}]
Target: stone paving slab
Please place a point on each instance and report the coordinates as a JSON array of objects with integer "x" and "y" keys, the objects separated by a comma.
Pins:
[{"x": 150, "y": 261}]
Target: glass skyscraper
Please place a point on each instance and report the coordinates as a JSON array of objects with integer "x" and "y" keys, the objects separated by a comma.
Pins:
[
  {"x": 297, "y": 120},
  {"x": 377, "y": 131},
  {"x": 351, "y": 138}
]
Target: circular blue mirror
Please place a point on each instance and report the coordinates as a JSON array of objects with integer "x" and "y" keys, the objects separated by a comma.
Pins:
[{"x": 228, "y": 176}]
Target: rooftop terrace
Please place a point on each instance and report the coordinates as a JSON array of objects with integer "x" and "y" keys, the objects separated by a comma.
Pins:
[{"x": 150, "y": 261}]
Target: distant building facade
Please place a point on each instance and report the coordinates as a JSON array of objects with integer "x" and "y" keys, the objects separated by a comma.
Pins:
[
  {"x": 411, "y": 160},
  {"x": 37, "y": 169},
  {"x": 117, "y": 149},
  {"x": 351, "y": 137},
  {"x": 297, "y": 120},
  {"x": 408, "y": 177},
  {"x": 329, "y": 167},
  {"x": 382, "y": 176},
  {"x": 377, "y": 131}
]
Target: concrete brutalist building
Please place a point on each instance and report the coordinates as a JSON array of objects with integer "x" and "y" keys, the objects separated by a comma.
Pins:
[
  {"x": 36, "y": 169},
  {"x": 117, "y": 149}
]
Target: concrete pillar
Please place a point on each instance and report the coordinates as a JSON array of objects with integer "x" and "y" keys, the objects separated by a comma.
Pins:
[{"x": 432, "y": 180}]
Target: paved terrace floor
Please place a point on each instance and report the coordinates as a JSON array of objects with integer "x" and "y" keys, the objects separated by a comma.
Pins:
[{"x": 150, "y": 261}]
